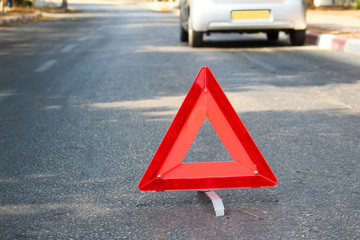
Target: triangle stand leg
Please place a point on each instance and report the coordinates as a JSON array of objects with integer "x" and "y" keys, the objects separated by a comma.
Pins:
[{"x": 217, "y": 203}]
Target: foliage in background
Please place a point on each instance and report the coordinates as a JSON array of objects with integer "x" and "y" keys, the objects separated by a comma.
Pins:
[
  {"x": 23, "y": 2},
  {"x": 357, "y": 4}
]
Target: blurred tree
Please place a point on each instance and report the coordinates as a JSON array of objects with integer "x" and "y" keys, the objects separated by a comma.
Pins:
[
  {"x": 22, "y": 2},
  {"x": 309, "y": 3},
  {"x": 357, "y": 4},
  {"x": 64, "y": 4}
]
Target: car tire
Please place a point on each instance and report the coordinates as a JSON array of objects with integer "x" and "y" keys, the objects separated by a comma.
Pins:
[
  {"x": 184, "y": 36},
  {"x": 272, "y": 36},
  {"x": 297, "y": 37},
  {"x": 195, "y": 38}
]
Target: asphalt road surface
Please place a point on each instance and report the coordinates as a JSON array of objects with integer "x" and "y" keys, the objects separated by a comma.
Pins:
[{"x": 86, "y": 99}]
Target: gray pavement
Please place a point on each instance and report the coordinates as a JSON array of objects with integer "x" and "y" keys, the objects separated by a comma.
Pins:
[{"x": 86, "y": 100}]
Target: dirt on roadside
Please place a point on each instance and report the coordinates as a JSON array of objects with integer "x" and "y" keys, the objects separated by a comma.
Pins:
[
  {"x": 18, "y": 11},
  {"x": 348, "y": 33}
]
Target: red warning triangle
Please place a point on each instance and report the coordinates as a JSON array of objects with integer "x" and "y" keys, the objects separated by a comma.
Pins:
[{"x": 206, "y": 100}]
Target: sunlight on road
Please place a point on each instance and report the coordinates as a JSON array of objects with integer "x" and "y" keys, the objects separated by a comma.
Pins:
[{"x": 250, "y": 99}]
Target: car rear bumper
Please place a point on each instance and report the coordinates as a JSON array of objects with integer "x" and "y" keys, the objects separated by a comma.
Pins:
[
  {"x": 213, "y": 15},
  {"x": 248, "y": 27}
]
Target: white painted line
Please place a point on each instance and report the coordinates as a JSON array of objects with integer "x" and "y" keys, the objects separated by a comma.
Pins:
[
  {"x": 217, "y": 203},
  {"x": 46, "y": 65},
  {"x": 83, "y": 39},
  {"x": 353, "y": 46},
  {"x": 325, "y": 41},
  {"x": 5, "y": 94},
  {"x": 68, "y": 48}
]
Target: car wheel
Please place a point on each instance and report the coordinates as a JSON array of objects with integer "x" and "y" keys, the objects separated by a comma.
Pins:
[
  {"x": 272, "y": 36},
  {"x": 195, "y": 38},
  {"x": 184, "y": 36},
  {"x": 297, "y": 37}
]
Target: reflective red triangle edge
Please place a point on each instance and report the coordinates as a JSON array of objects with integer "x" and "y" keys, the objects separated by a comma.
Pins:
[{"x": 150, "y": 181}]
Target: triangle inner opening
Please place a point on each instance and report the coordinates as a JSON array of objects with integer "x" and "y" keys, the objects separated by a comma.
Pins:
[{"x": 207, "y": 147}]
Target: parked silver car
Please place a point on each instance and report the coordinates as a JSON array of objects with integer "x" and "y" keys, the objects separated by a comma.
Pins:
[{"x": 244, "y": 16}]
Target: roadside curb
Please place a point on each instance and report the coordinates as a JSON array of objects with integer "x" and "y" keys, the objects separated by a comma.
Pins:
[
  {"x": 22, "y": 18},
  {"x": 335, "y": 43}
]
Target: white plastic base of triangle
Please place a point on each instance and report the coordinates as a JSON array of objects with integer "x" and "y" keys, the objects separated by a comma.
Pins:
[{"x": 217, "y": 203}]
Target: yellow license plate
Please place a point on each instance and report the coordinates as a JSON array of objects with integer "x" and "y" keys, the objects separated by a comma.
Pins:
[{"x": 251, "y": 14}]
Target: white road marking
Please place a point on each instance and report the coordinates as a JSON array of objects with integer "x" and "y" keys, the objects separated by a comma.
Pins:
[
  {"x": 83, "y": 39},
  {"x": 46, "y": 65},
  {"x": 68, "y": 48},
  {"x": 5, "y": 94}
]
